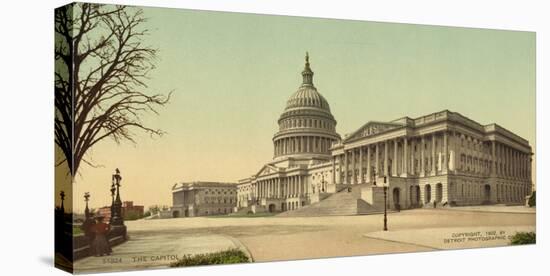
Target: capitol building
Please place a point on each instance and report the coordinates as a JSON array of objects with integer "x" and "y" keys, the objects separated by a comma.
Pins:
[
  {"x": 438, "y": 160},
  {"x": 442, "y": 158}
]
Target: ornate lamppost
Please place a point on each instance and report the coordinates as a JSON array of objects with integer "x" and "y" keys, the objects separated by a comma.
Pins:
[
  {"x": 113, "y": 190},
  {"x": 87, "y": 210},
  {"x": 62, "y": 195},
  {"x": 116, "y": 213},
  {"x": 385, "y": 186}
]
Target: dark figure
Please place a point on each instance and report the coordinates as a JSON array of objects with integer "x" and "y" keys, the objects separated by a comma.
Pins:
[
  {"x": 398, "y": 207},
  {"x": 86, "y": 227},
  {"x": 100, "y": 244},
  {"x": 435, "y": 204}
]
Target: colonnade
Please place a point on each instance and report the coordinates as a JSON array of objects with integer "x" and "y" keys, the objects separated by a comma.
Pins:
[
  {"x": 401, "y": 156},
  {"x": 282, "y": 187},
  {"x": 431, "y": 154},
  {"x": 510, "y": 162},
  {"x": 302, "y": 144}
]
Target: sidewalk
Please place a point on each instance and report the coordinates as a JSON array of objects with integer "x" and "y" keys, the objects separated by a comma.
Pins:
[
  {"x": 453, "y": 237},
  {"x": 494, "y": 209},
  {"x": 145, "y": 250}
]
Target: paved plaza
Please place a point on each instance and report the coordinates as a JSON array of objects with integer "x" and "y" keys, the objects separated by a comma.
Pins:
[{"x": 155, "y": 242}]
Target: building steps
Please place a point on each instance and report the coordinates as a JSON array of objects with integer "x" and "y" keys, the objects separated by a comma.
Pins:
[{"x": 342, "y": 203}]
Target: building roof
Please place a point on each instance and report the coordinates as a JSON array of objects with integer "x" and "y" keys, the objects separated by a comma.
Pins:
[{"x": 203, "y": 184}]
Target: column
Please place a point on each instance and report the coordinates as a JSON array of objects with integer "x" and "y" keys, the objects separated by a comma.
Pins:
[
  {"x": 422, "y": 163},
  {"x": 516, "y": 163},
  {"x": 513, "y": 163},
  {"x": 405, "y": 168},
  {"x": 394, "y": 161},
  {"x": 433, "y": 155},
  {"x": 445, "y": 154},
  {"x": 334, "y": 170},
  {"x": 413, "y": 156},
  {"x": 299, "y": 186},
  {"x": 524, "y": 166},
  {"x": 288, "y": 181},
  {"x": 353, "y": 176},
  {"x": 498, "y": 159},
  {"x": 456, "y": 149},
  {"x": 341, "y": 166},
  {"x": 345, "y": 171},
  {"x": 493, "y": 158},
  {"x": 295, "y": 186},
  {"x": 376, "y": 161},
  {"x": 368, "y": 164},
  {"x": 280, "y": 183},
  {"x": 386, "y": 158},
  {"x": 361, "y": 165},
  {"x": 293, "y": 191},
  {"x": 521, "y": 160},
  {"x": 509, "y": 161}
]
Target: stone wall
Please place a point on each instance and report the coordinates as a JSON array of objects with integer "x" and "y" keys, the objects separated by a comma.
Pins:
[{"x": 81, "y": 243}]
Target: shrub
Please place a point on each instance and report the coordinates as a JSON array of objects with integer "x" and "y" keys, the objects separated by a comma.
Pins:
[
  {"x": 523, "y": 238},
  {"x": 132, "y": 215},
  {"x": 532, "y": 199},
  {"x": 231, "y": 256}
]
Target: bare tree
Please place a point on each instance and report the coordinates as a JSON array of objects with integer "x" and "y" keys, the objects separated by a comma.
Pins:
[{"x": 101, "y": 68}]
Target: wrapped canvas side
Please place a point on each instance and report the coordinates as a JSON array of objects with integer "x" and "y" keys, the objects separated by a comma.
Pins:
[{"x": 63, "y": 88}]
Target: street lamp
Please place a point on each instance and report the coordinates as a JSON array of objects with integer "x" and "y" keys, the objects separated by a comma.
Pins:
[
  {"x": 62, "y": 195},
  {"x": 385, "y": 201},
  {"x": 116, "y": 215},
  {"x": 385, "y": 205},
  {"x": 87, "y": 210}
]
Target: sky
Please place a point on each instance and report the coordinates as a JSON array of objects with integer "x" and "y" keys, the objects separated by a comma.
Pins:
[{"x": 232, "y": 73}]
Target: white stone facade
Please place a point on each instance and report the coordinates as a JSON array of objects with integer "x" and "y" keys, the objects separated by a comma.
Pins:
[
  {"x": 442, "y": 157},
  {"x": 203, "y": 199}
]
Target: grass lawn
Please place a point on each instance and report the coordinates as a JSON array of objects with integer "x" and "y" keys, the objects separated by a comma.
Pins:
[
  {"x": 77, "y": 231},
  {"x": 231, "y": 256}
]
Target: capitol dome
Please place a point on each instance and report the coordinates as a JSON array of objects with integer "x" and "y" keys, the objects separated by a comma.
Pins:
[
  {"x": 307, "y": 96},
  {"x": 306, "y": 126}
]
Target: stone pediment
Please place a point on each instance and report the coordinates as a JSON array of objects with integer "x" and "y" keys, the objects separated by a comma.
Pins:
[
  {"x": 371, "y": 128},
  {"x": 266, "y": 169}
]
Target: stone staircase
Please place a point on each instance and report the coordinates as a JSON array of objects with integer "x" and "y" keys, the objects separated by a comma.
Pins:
[{"x": 342, "y": 203}]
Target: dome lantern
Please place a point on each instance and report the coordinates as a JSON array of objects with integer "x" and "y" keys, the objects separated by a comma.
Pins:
[{"x": 307, "y": 74}]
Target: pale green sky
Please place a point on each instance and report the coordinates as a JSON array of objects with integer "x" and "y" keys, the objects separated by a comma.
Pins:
[{"x": 232, "y": 74}]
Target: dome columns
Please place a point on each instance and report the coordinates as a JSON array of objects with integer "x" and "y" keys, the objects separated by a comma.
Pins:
[{"x": 305, "y": 144}]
